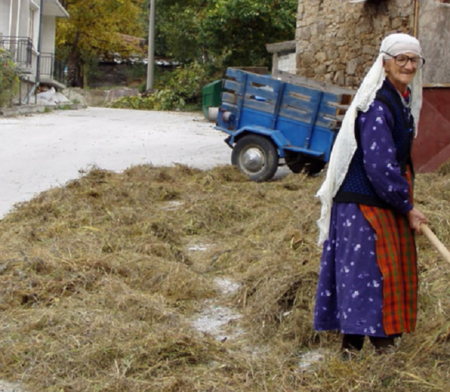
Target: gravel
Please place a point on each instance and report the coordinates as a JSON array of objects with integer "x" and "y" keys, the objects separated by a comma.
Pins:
[{"x": 46, "y": 150}]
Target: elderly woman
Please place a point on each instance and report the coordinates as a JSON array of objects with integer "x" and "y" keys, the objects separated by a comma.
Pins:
[{"x": 368, "y": 277}]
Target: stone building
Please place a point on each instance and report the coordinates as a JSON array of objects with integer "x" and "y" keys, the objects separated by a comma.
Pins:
[{"x": 338, "y": 40}]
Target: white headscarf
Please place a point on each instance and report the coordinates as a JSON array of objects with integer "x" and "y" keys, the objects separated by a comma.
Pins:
[{"x": 345, "y": 144}]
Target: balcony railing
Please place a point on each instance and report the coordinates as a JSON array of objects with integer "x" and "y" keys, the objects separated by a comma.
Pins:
[
  {"x": 52, "y": 67},
  {"x": 21, "y": 49}
]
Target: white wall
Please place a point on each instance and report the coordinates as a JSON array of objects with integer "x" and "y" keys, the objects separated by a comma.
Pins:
[
  {"x": 287, "y": 63},
  {"x": 33, "y": 32},
  {"x": 20, "y": 25},
  {"x": 4, "y": 17},
  {"x": 48, "y": 34},
  {"x": 14, "y": 17},
  {"x": 24, "y": 18}
]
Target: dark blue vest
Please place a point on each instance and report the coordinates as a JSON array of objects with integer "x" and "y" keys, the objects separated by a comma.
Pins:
[{"x": 356, "y": 187}]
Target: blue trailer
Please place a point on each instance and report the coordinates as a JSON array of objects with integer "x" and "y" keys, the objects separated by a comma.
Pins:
[{"x": 280, "y": 120}]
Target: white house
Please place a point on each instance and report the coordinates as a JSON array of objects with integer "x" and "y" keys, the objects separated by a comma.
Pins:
[{"x": 27, "y": 30}]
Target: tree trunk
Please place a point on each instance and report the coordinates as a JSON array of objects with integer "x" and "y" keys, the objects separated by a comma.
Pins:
[{"x": 74, "y": 66}]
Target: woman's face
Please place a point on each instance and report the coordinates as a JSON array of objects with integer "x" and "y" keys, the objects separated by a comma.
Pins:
[{"x": 401, "y": 76}]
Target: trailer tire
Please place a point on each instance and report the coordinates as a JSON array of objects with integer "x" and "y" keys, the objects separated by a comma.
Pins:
[
  {"x": 294, "y": 162},
  {"x": 256, "y": 157},
  {"x": 315, "y": 167},
  {"x": 298, "y": 163}
]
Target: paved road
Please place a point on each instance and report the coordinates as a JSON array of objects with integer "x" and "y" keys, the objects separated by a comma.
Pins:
[{"x": 45, "y": 150}]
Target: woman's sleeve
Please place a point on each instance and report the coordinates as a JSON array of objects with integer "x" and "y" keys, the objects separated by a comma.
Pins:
[{"x": 382, "y": 167}]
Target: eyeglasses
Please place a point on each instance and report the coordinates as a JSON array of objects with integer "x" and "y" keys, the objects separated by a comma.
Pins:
[{"x": 402, "y": 59}]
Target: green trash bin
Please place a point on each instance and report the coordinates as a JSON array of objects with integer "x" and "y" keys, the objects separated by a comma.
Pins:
[{"x": 211, "y": 94}]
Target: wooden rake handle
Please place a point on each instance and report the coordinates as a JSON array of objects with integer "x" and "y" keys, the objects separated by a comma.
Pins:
[{"x": 435, "y": 241}]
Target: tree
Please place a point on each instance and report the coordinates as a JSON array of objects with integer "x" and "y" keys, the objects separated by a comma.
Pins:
[
  {"x": 239, "y": 30},
  {"x": 234, "y": 31},
  {"x": 93, "y": 30},
  {"x": 178, "y": 25},
  {"x": 226, "y": 32}
]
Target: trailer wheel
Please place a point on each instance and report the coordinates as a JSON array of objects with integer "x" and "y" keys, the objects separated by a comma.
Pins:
[
  {"x": 256, "y": 157},
  {"x": 298, "y": 163},
  {"x": 294, "y": 162},
  {"x": 315, "y": 167}
]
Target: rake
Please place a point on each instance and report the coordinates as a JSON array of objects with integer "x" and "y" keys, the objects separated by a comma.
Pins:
[{"x": 435, "y": 241}]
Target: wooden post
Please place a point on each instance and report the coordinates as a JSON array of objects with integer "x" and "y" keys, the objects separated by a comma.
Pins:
[{"x": 416, "y": 18}]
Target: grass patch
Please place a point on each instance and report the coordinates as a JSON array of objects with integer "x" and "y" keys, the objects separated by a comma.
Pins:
[{"x": 99, "y": 286}]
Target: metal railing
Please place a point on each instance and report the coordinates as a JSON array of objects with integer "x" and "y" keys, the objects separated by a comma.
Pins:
[
  {"x": 21, "y": 49},
  {"x": 22, "y": 53},
  {"x": 52, "y": 67}
]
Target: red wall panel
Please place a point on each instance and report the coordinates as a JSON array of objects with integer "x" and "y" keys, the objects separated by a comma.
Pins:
[{"x": 432, "y": 146}]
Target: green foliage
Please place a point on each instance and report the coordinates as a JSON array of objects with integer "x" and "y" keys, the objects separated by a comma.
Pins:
[
  {"x": 240, "y": 29},
  {"x": 233, "y": 31},
  {"x": 97, "y": 28},
  {"x": 220, "y": 33},
  {"x": 9, "y": 80},
  {"x": 64, "y": 107},
  {"x": 175, "y": 90},
  {"x": 136, "y": 72},
  {"x": 159, "y": 100},
  {"x": 180, "y": 27},
  {"x": 187, "y": 82}
]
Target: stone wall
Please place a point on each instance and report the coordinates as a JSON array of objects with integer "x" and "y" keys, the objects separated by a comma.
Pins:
[
  {"x": 111, "y": 74},
  {"x": 98, "y": 97},
  {"x": 337, "y": 41}
]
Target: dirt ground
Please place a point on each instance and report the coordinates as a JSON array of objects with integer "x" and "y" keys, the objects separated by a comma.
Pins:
[{"x": 45, "y": 150}]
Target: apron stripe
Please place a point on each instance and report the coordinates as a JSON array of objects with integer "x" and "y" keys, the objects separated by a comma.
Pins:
[{"x": 397, "y": 260}]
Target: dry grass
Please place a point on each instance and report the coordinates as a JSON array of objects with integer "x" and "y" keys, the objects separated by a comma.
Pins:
[{"x": 98, "y": 286}]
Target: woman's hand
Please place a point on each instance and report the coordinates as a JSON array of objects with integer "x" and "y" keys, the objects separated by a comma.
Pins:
[{"x": 415, "y": 218}]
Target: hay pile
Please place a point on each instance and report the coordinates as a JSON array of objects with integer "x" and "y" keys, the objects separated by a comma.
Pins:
[{"x": 99, "y": 283}]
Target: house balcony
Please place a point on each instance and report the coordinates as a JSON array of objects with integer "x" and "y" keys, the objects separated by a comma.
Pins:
[
  {"x": 56, "y": 8},
  {"x": 51, "y": 70},
  {"x": 21, "y": 50}
]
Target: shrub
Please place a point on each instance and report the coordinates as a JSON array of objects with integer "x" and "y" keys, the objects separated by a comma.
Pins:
[
  {"x": 8, "y": 78},
  {"x": 174, "y": 90},
  {"x": 186, "y": 82}
]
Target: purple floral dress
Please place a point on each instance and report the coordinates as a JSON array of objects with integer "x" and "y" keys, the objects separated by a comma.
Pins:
[{"x": 350, "y": 288}]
